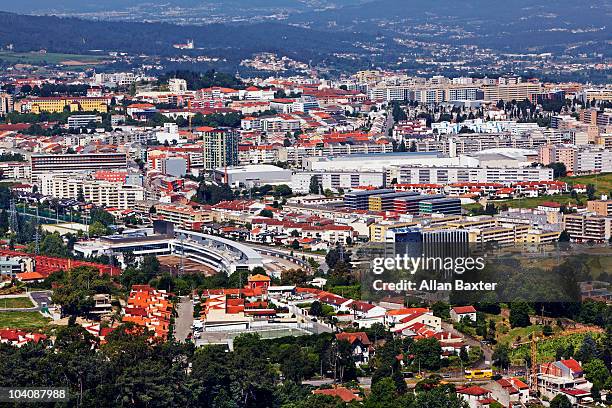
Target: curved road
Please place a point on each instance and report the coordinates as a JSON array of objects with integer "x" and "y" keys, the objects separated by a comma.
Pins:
[{"x": 487, "y": 351}]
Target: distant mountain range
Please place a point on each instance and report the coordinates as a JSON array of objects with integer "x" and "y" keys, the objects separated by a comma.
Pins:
[
  {"x": 71, "y": 35},
  {"x": 226, "y": 6},
  {"x": 509, "y": 26},
  {"x": 337, "y": 36}
]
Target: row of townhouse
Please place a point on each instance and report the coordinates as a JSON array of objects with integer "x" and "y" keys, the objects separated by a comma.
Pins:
[
  {"x": 19, "y": 338},
  {"x": 150, "y": 308}
]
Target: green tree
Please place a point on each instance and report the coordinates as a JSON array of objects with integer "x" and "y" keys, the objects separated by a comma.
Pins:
[
  {"x": 97, "y": 229},
  {"x": 266, "y": 213},
  {"x": 441, "y": 309},
  {"x": 282, "y": 190},
  {"x": 427, "y": 353},
  {"x": 4, "y": 222},
  {"x": 588, "y": 350},
  {"x": 383, "y": 395},
  {"x": 295, "y": 244},
  {"x": 564, "y": 236},
  {"x": 590, "y": 190},
  {"x": 316, "y": 309},
  {"x": 101, "y": 216},
  {"x": 559, "y": 169},
  {"x": 463, "y": 355},
  {"x": 501, "y": 356},
  {"x": 596, "y": 372},
  {"x": 560, "y": 401},
  {"x": 52, "y": 245},
  {"x": 440, "y": 397},
  {"x": 213, "y": 194},
  {"x": 519, "y": 314},
  {"x": 297, "y": 363},
  {"x": 74, "y": 292},
  {"x": 314, "y": 187}
]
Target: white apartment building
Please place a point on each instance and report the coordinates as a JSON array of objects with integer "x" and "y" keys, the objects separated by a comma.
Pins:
[
  {"x": 279, "y": 125},
  {"x": 99, "y": 192},
  {"x": 588, "y": 227},
  {"x": 117, "y": 78},
  {"x": 593, "y": 161},
  {"x": 177, "y": 85},
  {"x": 297, "y": 154},
  {"x": 266, "y": 154},
  {"x": 447, "y": 175},
  {"x": 15, "y": 170},
  {"x": 7, "y": 104},
  {"x": 300, "y": 182}
]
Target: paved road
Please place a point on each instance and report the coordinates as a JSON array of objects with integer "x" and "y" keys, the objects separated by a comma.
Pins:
[
  {"x": 184, "y": 320},
  {"x": 363, "y": 381},
  {"x": 41, "y": 298},
  {"x": 472, "y": 342},
  {"x": 298, "y": 254},
  {"x": 388, "y": 123}
]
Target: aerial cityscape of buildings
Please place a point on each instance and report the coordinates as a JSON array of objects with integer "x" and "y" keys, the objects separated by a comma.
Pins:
[{"x": 229, "y": 215}]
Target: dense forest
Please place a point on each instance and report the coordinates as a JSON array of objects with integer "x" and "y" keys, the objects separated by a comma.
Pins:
[
  {"x": 70, "y": 35},
  {"x": 196, "y": 80},
  {"x": 129, "y": 370}
]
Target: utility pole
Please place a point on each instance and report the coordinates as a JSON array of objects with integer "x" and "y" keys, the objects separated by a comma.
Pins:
[{"x": 36, "y": 234}]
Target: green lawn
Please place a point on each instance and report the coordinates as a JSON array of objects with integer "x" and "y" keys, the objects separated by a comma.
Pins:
[
  {"x": 16, "y": 303},
  {"x": 602, "y": 182},
  {"x": 49, "y": 58},
  {"x": 22, "y": 320},
  {"x": 471, "y": 207},
  {"x": 533, "y": 202},
  {"x": 519, "y": 334}
]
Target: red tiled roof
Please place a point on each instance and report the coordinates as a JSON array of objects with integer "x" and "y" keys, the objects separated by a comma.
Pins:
[
  {"x": 474, "y": 390},
  {"x": 464, "y": 309},
  {"x": 575, "y": 392},
  {"x": 343, "y": 393},
  {"x": 572, "y": 365},
  {"x": 353, "y": 337}
]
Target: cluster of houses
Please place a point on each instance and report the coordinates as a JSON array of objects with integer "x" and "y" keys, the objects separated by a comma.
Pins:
[
  {"x": 565, "y": 377},
  {"x": 511, "y": 190},
  {"x": 150, "y": 308},
  {"x": 19, "y": 338},
  {"x": 261, "y": 305},
  {"x": 311, "y": 232}
]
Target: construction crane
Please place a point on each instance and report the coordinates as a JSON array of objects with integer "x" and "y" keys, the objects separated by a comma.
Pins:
[
  {"x": 533, "y": 372},
  {"x": 533, "y": 384}
]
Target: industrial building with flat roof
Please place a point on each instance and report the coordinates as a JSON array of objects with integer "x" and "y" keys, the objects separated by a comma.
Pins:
[
  {"x": 252, "y": 175},
  {"x": 385, "y": 202},
  {"x": 359, "y": 200},
  {"x": 379, "y": 162},
  {"x": 74, "y": 163},
  {"x": 410, "y": 205},
  {"x": 450, "y": 206}
]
